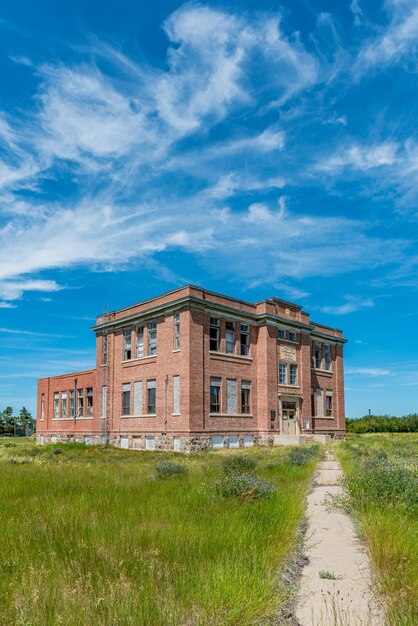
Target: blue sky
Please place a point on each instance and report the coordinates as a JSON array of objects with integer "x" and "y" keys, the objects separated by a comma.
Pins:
[{"x": 255, "y": 148}]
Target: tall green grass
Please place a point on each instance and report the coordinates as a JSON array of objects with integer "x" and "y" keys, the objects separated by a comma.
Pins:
[
  {"x": 93, "y": 536},
  {"x": 382, "y": 486}
]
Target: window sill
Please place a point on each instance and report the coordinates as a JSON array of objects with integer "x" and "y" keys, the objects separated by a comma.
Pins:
[
  {"x": 140, "y": 358},
  {"x": 323, "y": 417},
  {"x": 178, "y": 350},
  {"x": 281, "y": 385},
  {"x": 70, "y": 419},
  {"x": 230, "y": 356},
  {"x": 231, "y": 415},
  {"x": 176, "y": 415},
  {"x": 294, "y": 343},
  {"x": 135, "y": 416},
  {"x": 321, "y": 371}
]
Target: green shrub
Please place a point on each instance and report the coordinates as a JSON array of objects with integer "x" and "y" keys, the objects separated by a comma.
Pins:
[
  {"x": 57, "y": 451},
  {"x": 165, "y": 469},
  {"x": 237, "y": 464},
  {"x": 302, "y": 455},
  {"x": 244, "y": 486}
]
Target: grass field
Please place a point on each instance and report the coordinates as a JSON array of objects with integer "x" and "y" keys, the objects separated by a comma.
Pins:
[
  {"x": 92, "y": 535},
  {"x": 382, "y": 483}
]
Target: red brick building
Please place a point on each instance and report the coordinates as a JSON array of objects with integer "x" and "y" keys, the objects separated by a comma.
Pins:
[{"x": 192, "y": 369}]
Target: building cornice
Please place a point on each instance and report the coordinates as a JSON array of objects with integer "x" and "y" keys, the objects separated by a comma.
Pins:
[{"x": 213, "y": 308}]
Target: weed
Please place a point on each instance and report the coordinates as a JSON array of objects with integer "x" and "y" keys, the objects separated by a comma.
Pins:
[
  {"x": 244, "y": 486},
  {"x": 302, "y": 455},
  {"x": 165, "y": 469},
  {"x": 237, "y": 464},
  {"x": 326, "y": 575}
]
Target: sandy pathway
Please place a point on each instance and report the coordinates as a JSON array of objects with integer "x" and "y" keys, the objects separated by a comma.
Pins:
[{"x": 332, "y": 546}]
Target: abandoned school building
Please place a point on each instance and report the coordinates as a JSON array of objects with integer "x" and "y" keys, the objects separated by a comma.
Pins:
[{"x": 193, "y": 369}]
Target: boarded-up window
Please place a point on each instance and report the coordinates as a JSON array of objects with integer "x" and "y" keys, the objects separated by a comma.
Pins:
[
  {"x": 319, "y": 403},
  {"x": 138, "y": 397},
  {"x": 217, "y": 441},
  {"x": 233, "y": 441},
  {"x": 231, "y": 396},
  {"x": 176, "y": 395},
  {"x": 104, "y": 401},
  {"x": 149, "y": 443}
]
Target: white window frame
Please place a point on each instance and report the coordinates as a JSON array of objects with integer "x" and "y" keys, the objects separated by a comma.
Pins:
[
  {"x": 282, "y": 371},
  {"x": 293, "y": 368},
  {"x": 139, "y": 350},
  {"x": 152, "y": 338},
  {"x": 176, "y": 331},
  {"x": 127, "y": 344}
]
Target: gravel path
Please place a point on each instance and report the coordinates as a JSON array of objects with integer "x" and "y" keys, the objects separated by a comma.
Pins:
[{"x": 333, "y": 549}]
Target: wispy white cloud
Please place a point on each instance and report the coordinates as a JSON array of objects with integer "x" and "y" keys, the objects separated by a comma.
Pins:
[
  {"x": 368, "y": 371},
  {"x": 352, "y": 304},
  {"x": 11, "y": 290},
  {"x": 360, "y": 157}
]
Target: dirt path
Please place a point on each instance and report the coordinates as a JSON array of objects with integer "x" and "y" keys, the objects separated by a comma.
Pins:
[{"x": 333, "y": 548}]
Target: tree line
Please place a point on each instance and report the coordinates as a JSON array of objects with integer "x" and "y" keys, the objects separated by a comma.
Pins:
[
  {"x": 20, "y": 425},
  {"x": 383, "y": 424}
]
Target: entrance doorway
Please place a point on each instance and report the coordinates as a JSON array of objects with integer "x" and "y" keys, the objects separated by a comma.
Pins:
[{"x": 289, "y": 418}]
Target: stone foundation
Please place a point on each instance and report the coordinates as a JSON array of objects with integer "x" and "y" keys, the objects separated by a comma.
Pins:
[{"x": 181, "y": 443}]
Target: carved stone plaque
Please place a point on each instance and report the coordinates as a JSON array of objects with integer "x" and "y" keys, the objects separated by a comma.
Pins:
[{"x": 288, "y": 353}]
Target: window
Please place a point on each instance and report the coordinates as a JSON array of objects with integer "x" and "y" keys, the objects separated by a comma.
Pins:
[
  {"x": 215, "y": 395},
  {"x": 217, "y": 441},
  {"x": 282, "y": 333},
  {"x": 293, "y": 374},
  {"x": 152, "y": 338},
  {"x": 80, "y": 402},
  {"x": 149, "y": 443},
  {"x": 139, "y": 342},
  {"x": 177, "y": 331},
  {"x": 138, "y": 397},
  {"x": 231, "y": 396},
  {"x": 245, "y": 396},
  {"x": 104, "y": 349},
  {"x": 327, "y": 355},
  {"x": 319, "y": 403},
  {"x": 152, "y": 397},
  {"x": 89, "y": 401},
  {"x": 56, "y": 404},
  {"x": 176, "y": 395},
  {"x": 292, "y": 336},
  {"x": 282, "y": 374},
  {"x": 63, "y": 404},
  {"x": 127, "y": 344},
  {"x": 214, "y": 335},
  {"x": 42, "y": 406},
  {"x": 245, "y": 339},
  {"x": 318, "y": 356},
  {"x": 126, "y": 399},
  {"x": 328, "y": 403},
  {"x": 72, "y": 403},
  {"x": 104, "y": 401},
  {"x": 230, "y": 337}
]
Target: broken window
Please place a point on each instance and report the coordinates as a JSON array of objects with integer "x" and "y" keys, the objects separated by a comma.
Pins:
[
  {"x": 89, "y": 401},
  {"x": 245, "y": 396},
  {"x": 327, "y": 355},
  {"x": 152, "y": 397},
  {"x": 328, "y": 403},
  {"x": 139, "y": 342},
  {"x": 245, "y": 339},
  {"x": 127, "y": 344},
  {"x": 318, "y": 356},
  {"x": 126, "y": 399},
  {"x": 72, "y": 403},
  {"x": 63, "y": 404},
  {"x": 214, "y": 335},
  {"x": 152, "y": 338},
  {"x": 230, "y": 337},
  {"x": 292, "y": 336},
  {"x": 80, "y": 403},
  {"x": 104, "y": 349},
  {"x": 42, "y": 406},
  {"x": 177, "y": 331},
  {"x": 282, "y": 333},
  {"x": 56, "y": 404},
  {"x": 215, "y": 395}
]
